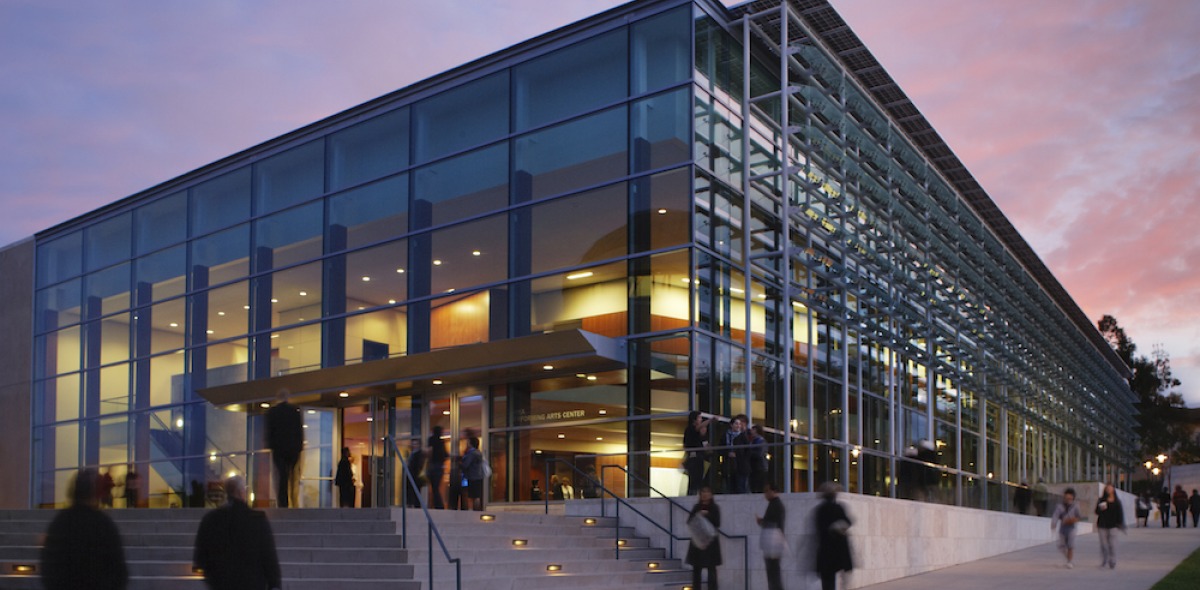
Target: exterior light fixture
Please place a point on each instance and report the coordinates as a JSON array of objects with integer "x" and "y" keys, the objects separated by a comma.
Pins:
[
  {"x": 662, "y": 211},
  {"x": 343, "y": 394},
  {"x": 589, "y": 521},
  {"x": 24, "y": 568},
  {"x": 621, "y": 542},
  {"x": 264, "y": 405},
  {"x": 437, "y": 262},
  {"x": 554, "y": 567},
  {"x": 652, "y": 565},
  {"x": 547, "y": 367},
  {"x": 400, "y": 270},
  {"x": 312, "y": 411},
  {"x": 603, "y": 412},
  {"x": 487, "y": 517},
  {"x": 520, "y": 542},
  {"x": 197, "y": 571},
  {"x": 437, "y": 381},
  {"x": 476, "y": 253},
  {"x": 561, "y": 435},
  {"x": 1161, "y": 458}
]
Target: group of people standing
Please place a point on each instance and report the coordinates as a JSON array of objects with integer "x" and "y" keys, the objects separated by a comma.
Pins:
[
  {"x": 1179, "y": 502},
  {"x": 468, "y": 471},
  {"x": 741, "y": 460}
]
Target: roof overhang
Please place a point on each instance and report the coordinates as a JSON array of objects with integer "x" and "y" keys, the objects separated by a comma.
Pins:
[{"x": 504, "y": 361}]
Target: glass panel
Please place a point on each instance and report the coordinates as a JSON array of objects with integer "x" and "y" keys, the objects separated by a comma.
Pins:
[
  {"x": 578, "y": 230},
  {"x": 107, "y": 291},
  {"x": 114, "y": 446},
  {"x": 227, "y": 362},
  {"x": 554, "y": 161},
  {"x": 160, "y": 223},
  {"x": 165, "y": 485},
  {"x": 461, "y": 187},
  {"x": 377, "y": 335},
  {"x": 669, "y": 291},
  {"x": 369, "y": 149},
  {"x": 65, "y": 438},
  {"x": 660, "y": 130},
  {"x": 289, "y": 237},
  {"x": 295, "y": 294},
  {"x": 161, "y": 275},
  {"x": 59, "y": 398},
  {"x": 373, "y": 213},
  {"x": 594, "y": 299},
  {"x": 462, "y": 318},
  {"x": 166, "y": 379},
  {"x": 60, "y": 259},
  {"x": 167, "y": 321},
  {"x": 59, "y": 305},
  {"x": 223, "y": 257},
  {"x": 573, "y": 80},
  {"x": 60, "y": 351},
  {"x": 471, "y": 254},
  {"x": 108, "y": 241},
  {"x": 461, "y": 117},
  {"x": 289, "y": 178},
  {"x": 228, "y": 311},
  {"x": 296, "y": 350},
  {"x": 221, "y": 202},
  {"x": 114, "y": 338},
  {"x": 384, "y": 266},
  {"x": 670, "y": 195},
  {"x": 661, "y": 50}
]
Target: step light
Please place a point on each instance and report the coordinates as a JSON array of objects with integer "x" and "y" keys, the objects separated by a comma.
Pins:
[
  {"x": 487, "y": 517},
  {"x": 24, "y": 569},
  {"x": 554, "y": 567},
  {"x": 621, "y": 542},
  {"x": 197, "y": 570},
  {"x": 520, "y": 542},
  {"x": 589, "y": 521},
  {"x": 653, "y": 565}
]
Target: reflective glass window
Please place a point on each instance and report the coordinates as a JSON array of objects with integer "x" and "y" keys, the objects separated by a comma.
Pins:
[
  {"x": 220, "y": 202},
  {"x": 114, "y": 388},
  {"x": 572, "y": 80},
  {"x": 470, "y": 254},
  {"x": 291, "y": 177},
  {"x": 59, "y": 398},
  {"x": 108, "y": 241},
  {"x": 166, "y": 379},
  {"x": 289, "y": 237},
  {"x": 107, "y": 291},
  {"x": 295, "y": 294},
  {"x": 377, "y": 276},
  {"x": 368, "y": 150},
  {"x": 227, "y": 311},
  {"x": 580, "y": 229},
  {"x": 662, "y": 48},
  {"x": 296, "y": 350},
  {"x": 460, "y": 319},
  {"x": 113, "y": 339},
  {"x": 595, "y": 299},
  {"x": 368, "y": 214},
  {"x": 161, "y": 223},
  {"x": 664, "y": 216},
  {"x": 459, "y": 118},
  {"x": 379, "y": 334},
  {"x": 661, "y": 130},
  {"x": 59, "y": 305},
  {"x": 60, "y": 352},
  {"x": 60, "y": 258},
  {"x": 467, "y": 185},
  {"x": 669, "y": 291},
  {"x": 221, "y": 257},
  {"x": 227, "y": 363},
  {"x": 161, "y": 275},
  {"x": 65, "y": 441},
  {"x": 165, "y": 331},
  {"x": 555, "y": 161}
]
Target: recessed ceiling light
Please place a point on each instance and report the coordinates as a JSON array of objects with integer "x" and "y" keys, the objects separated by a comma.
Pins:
[
  {"x": 304, "y": 293},
  {"x": 400, "y": 270},
  {"x": 274, "y": 301},
  {"x": 220, "y": 313},
  {"x": 366, "y": 279},
  {"x": 267, "y": 405},
  {"x": 370, "y": 419},
  {"x": 450, "y": 290},
  {"x": 561, "y": 435},
  {"x": 437, "y": 381},
  {"x": 208, "y": 331},
  {"x": 599, "y": 438},
  {"x": 391, "y": 302},
  {"x": 437, "y": 262},
  {"x": 445, "y": 412},
  {"x": 592, "y": 377},
  {"x": 662, "y": 211},
  {"x": 274, "y": 336},
  {"x": 174, "y": 325},
  {"x": 737, "y": 290},
  {"x": 343, "y": 394},
  {"x": 312, "y": 411},
  {"x": 579, "y": 275},
  {"x": 475, "y": 253},
  {"x": 245, "y": 307},
  {"x": 603, "y": 412},
  {"x": 547, "y": 367}
]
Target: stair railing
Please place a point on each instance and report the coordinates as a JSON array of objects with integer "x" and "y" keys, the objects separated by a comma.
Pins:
[
  {"x": 432, "y": 531},
  {"x": 668, "y": 530}
]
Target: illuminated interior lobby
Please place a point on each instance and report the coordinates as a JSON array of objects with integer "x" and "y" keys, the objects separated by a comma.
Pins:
[{"x": 566, "y": 247}]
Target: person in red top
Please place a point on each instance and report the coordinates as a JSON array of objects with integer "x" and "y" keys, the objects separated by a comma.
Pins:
[{"x": 1180, "y": 500}]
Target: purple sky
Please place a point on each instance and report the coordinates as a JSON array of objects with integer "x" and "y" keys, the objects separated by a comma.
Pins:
[{"x": 1081, "y": 118}]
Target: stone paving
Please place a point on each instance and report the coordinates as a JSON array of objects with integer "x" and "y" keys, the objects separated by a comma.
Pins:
[{"x": 1144, "y": 556}]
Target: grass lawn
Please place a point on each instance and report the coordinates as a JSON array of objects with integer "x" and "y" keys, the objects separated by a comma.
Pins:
[{"x": 1186, "y": 576}]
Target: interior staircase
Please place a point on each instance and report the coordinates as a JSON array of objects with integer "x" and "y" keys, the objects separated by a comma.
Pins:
[{"x": 361, "y": 549}]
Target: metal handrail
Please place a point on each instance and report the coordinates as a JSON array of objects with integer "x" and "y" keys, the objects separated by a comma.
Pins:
[
  {"x": 671, "y": 517},
  {"x": 432, "y": 530},
  {"x": 618, "y": 501}
]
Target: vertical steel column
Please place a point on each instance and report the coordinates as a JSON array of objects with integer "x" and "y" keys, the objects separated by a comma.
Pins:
[{"x": 747, "y": 291}]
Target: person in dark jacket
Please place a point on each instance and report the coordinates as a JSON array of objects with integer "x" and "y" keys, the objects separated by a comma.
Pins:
[
  {"x": 1194, "y": 505},
  {"x": 1180, "y": 500},
  {"x": 435, "y": 467},
  {"x": 757, "y": 457},
  {"x": 1164, "y": 506},
  {"x": 773, "y": 518},
  {"x": 344, "y": 480},
  {"x": 83, "y": 548},
  {"x": 708, "y": 557},
  {"x": 1109, "y": 516},
  {"x": 285, "y": 438},
  {"x": 736, "y": 456},
  {"x": 416, "y": 467},
  {"x": 695, "y": 437},
  {"x": 830, "y": 524},
  {"x": 1022, "y": 497},
  {"x": 235, "y": 546},
  {"x": 472, "y": 472}
]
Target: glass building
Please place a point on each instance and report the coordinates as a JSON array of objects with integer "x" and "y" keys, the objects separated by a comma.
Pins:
[{"x": 566, "y": 247}]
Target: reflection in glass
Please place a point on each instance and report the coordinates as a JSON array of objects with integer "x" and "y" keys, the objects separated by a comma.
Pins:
[
  {"x": 470, "y": 254},
  {"x": 369, "y": 214},
  {"x": 291, "y": 177},
  {"x": 369, "y": 149},
  {"x": 107, "y": 291},
  {"x": 221, "y": 257},
  {"x": 554, "y": 161},
  {"x": 160, "y": 223},
  {"x": 160, "y": 275},
  {"x": 59, "y": 258},
  {"x": 462, "y": 117},
  {"x": 573, "y": 80},
  {"x": 593, "y": 299},
  {"x": 220, "y": 202},
  {"x": 289, "y": 237},
  {"x": 461, "y": 187},
  {"x": 661, "y": 50},
  {"x": 108, "y": 241},
  {"x": 59, "y": 305},
  {"x": 581, "y": 229},
  {"x": 660, "y": 130}
]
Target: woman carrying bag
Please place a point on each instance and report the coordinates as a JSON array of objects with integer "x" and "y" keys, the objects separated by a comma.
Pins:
[
  {"x": 772, "y": 542},
  {"x": 704, "y": 550}
]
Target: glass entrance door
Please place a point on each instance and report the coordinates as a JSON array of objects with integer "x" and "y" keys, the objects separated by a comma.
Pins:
[{"x": 460, "y": 415}]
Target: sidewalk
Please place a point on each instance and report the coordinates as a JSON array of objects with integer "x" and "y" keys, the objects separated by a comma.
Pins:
[{"x": 1144, "y": 556}]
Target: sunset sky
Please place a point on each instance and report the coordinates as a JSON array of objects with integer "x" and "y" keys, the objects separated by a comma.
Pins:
[{"x": 1081, "y": 118}]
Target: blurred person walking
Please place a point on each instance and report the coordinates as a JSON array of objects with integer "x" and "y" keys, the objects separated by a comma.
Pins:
[
  {"x": 435, "y": 468},
  {"x": 758, "y": 459},
  {"x": 235, "y": 547},
  {"x": 1180, "y": 501},
  {"x": 344, "y": 480},
  {"x": 1164, "y": 506},
  {"x": 772, "y": 541},
  {"x": 704, "y": 548},
  {"x": 1110, "y": 515},
  {"x": 1143, "y": 510},
  {"x": 1067, "y": 513},
  {"x": 695, "y": 437},
  {"x": 285, "y": 438},
  {"x": 83, "y": 548},
  {"x": 1194, "y": 505},
  {"x": 831, "y": 527}
]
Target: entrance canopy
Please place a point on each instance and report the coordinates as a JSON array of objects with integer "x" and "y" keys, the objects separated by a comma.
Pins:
[{"x": 504, "y": 361}]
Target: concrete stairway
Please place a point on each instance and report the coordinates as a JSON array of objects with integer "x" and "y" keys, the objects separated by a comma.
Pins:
[
  {"x": 586, "y": 553},
  {"x": 318, "y": 549}
]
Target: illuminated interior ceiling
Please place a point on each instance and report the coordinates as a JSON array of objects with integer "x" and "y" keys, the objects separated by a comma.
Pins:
[{"x": 565, "y": 352}]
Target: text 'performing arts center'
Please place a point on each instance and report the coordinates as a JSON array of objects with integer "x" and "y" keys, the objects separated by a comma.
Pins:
[{"x": 564, "y": 248}]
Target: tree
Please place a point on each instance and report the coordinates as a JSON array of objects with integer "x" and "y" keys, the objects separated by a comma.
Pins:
[{"x": 1162, "y": 415}]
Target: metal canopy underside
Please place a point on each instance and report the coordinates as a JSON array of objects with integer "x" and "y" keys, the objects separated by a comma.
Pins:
[
  {"x": 504, "y": 361},
  {"x": 822, "y": 19}
]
